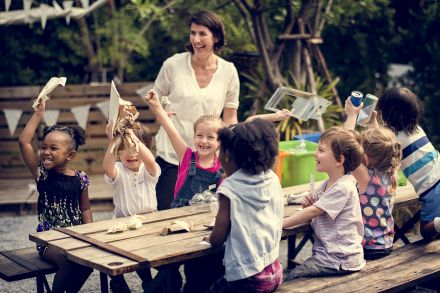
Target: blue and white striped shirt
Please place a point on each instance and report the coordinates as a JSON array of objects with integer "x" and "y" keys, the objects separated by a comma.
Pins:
[{"x": 420, "y": 160}]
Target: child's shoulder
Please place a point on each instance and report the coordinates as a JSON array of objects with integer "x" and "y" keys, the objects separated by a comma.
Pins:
[{"x": 83, "y": 178}]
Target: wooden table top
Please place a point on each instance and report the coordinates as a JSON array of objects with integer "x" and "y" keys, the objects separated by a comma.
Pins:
[{"x": 147, "y": 242}]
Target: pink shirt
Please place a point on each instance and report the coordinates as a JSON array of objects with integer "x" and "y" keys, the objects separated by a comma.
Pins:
[
  {"x": 182, "y": 172},
  {"x": 339, "y": 230}
]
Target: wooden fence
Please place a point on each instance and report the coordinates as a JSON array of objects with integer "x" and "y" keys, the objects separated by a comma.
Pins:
[{"x": 89, "y": 156}]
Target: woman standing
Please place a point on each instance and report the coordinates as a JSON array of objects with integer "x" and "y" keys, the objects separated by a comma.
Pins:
[{"x": 197, "y": 83}]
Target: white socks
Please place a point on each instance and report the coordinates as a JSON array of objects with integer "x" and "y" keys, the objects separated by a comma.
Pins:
[{"x": 437, "y": 224}]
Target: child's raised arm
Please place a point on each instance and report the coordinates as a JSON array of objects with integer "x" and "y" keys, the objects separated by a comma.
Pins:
[
  {"x": 352, "y": 112},
  {"x": 272, "y": 117},
  {"x": 145, "y": 155},
  {"x": 176, "y": 139},
  {"x": 30, "y": 156},
  {"x": 108, "y": 163}
]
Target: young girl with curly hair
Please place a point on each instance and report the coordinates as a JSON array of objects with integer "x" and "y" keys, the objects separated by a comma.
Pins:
[
  {"x": 63, "y": 199},
  {"x": 377, "y": 182},
  {"x": 250, "y": 203}
]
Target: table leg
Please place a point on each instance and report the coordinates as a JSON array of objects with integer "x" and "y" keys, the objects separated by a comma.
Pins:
[
  {"x": 40, "y": 284},
  {"x": 293, "y": 250},
  {"x": 104, "y": 282},
  {"x": 400, "y": 232}
]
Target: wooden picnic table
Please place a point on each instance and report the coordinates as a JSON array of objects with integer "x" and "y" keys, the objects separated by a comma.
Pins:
[{"x": 149, "y": 247}]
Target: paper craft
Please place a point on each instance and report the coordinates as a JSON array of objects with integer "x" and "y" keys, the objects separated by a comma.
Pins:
[
  {"x": 296, "y": 198},
  {"x": 48, "y": 88},
  {"x": 303, "y": 105},
  {"x": 177, "y": 226},
  {"x": 134, "y": 222},
  {"x": 123, "y": 115}
]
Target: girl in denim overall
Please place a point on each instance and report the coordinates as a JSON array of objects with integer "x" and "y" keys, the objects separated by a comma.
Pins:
[{"x": 199, "y": 170}]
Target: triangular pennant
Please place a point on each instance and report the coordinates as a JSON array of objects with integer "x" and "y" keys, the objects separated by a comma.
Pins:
[
  {"x": 143, "y": 91},
  {"x": 81, "y": 114},
  {"x": 51, "y": 117},
  {"x": 43, "y": 11},
  {"x": 85, "y": 3},
  {"x": 68, "y": 7},
  {"x": 7, "y": 4},
  {"x": 12, "y": 118},
  {"x": 27, "y": 6},
  {"x": 57, "y": 7},
  {"x": 104, "y": 106}
]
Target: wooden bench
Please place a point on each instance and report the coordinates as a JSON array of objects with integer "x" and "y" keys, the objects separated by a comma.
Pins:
[
  {"x": 25, "y": 263},
  {"x": 403, "y": 269}
]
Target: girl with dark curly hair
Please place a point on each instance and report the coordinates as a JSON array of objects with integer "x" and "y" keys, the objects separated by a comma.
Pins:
[{"x": 250, "y": 203}]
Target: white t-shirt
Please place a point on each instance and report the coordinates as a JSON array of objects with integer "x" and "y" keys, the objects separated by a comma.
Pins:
[
  {"x": 177, "y": 80},
  {"x": 135, "y": 192}
]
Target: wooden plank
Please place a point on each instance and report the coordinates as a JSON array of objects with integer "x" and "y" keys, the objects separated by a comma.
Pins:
[
  {"x": 11, "y": 270},
  {"x": 409, "y": 259}
]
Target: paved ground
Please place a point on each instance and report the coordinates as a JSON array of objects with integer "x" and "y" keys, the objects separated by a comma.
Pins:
[{"x": 14, "y": 233}]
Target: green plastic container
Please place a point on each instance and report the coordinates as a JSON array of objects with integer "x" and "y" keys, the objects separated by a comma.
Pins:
[
  {"x": 294, "y": 166},
  {"x": 401, "y": 179}
]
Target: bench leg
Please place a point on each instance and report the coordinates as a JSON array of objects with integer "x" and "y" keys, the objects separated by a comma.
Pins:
[
  {"x": 104, "y": 282},
  {"x": 400, "y": 232},
  {"x": 293, "y": 250},
  {"x": 40, "y": 284}
]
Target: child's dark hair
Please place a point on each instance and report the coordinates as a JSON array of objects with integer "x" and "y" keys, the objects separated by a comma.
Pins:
[
  {"x": 253, "y": 145},
  {"x": 344, "y": 143},
  {"x": 76, "y": 134},
  {"x": 400, "y": 109}
]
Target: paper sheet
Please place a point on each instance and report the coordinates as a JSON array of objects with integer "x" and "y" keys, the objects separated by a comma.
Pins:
[{"x": 48, "y": 88}]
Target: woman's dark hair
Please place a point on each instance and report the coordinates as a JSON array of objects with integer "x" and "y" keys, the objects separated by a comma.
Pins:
[
  {"x": 76, "y": 134},
  {"x": 400, "y": 109},
  {"x": 213, "y": 23},
  {"x": 253, "y": 145}
]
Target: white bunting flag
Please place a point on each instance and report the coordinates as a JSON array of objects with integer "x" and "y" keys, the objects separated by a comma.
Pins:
[
  {"x": 12, "y": 118},
  {"x": 7, "y": 4},
  {"x": 27, "y": 6},
  {"x": 81, "y": 114},
  {"x": 104, "y": 106},
  {"x": 57, "y": 7},
  {"x": 143, "y": 91},
  {"x": 85, "y": 3},
  {"x": 68, "y": 7},
  {"x": 51, "y": 117},
  {"x": 43, "y": 11}
]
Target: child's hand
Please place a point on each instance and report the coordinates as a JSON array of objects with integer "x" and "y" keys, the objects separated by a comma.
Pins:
[
  {"x": 41, "y": 107},
  {"x": 152, "y": 99},
  {"x": 282, "y": 115},
  {"x": 373, "y": 121},
  {"x": 350, "y": 109},
  {"x": 109, "y": 131},
  {"x": 307, "y": 201}
]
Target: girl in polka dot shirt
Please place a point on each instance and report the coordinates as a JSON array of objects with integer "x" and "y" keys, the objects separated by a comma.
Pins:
[{"x": 377, "y": 182}]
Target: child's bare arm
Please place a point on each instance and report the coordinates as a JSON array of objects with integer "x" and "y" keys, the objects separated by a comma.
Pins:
[
  {"x": 352, "y": 112},
  {"x": 108, "y": 163},
  {"x": 25, "y": 140},
  {"x": 84, "y": 206},
  {"x": 272, "y": 117},
  {"x": 303, "y": 216},
  {"x": 176, "y": 139},
  {"x": 146, "y": 156},
  {"x": 222, "y": 222}
]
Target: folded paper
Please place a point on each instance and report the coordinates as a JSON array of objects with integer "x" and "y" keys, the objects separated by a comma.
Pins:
[
  {"x": 48, "y": 88},
  {"x": 177, "y": 226},
  {"x": 134, "y": 222}
]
